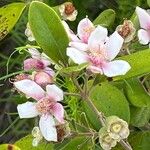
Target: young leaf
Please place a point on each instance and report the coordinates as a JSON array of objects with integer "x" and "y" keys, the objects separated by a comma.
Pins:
[
  {"x": 136, "y": 93},
  {"x": 25, "y": 143},
  {"x": 106, "y": 18},
  {"x": 9, "y": 15},
  {"x": 48, "y": 31},
  {"x": 109, "y": 100},
  {"x": 139, "y": 62},
  {"x": 9, "y": 147}
]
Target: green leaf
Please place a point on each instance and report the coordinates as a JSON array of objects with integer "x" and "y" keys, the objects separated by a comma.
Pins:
[
  {"x": 109, "y": 100},
  {"x": 78, "y": 142},
  {"x": 26, "y": 144},
  {"x": 106, "y": 18},
  {"x": 74, "y": 68},
  {"x": 139, "y": 116},
  {"x": 9, "y": 147},
  {"x": 136, "y": 93},
  {"x": 9, "y": 15},
  {"x": 140, "y": 64},
  {"x": 148, "y": 3},
  {"x": 138, "y": 141},
  {"x": 48, "y": 31},
  {"x": 135, "y": 21}
]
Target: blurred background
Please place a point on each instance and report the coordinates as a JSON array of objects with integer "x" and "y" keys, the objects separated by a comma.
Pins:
[{"x": 11, "y": 128}]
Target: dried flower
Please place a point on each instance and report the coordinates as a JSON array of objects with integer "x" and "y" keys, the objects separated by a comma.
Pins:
[
  {"x": 106, "y": 141},
  {"x": 63, "y": 131},
  {"x": 127, "y": 31},
  {"x": 68, "y": 11},
  {"x": 117, "y": 128}
]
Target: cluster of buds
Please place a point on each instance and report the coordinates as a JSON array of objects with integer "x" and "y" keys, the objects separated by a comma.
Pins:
[{"x": 115, "y": 130}]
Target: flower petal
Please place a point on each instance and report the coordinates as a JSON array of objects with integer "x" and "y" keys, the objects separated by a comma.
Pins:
[
  {"x": 47, "y": 127},
  {"x": 30, "y": 89},
  {"x": 144, "y": 18},
  {"x": 27, "y": 110},
  {"x": 45, "y": 59},
  {"x": 95, "y": 69},
  {"x": 77, "y": 56},
  {"x": 143, "y": 36},
  {"x": 85, "y": 27},
  {"x": 54, "y": 92},
  {"x": 70, "y": 33},
  {"x": 115, "y": 68},
  {"x": 31, "y": 63},
  {"x": 113, "y": 45},
  {"x": 58, "y": 112},
  {"x": 97, "y": 37},
  {"x": 79, "y": 46},
  {"x": 34, "y": 53}
]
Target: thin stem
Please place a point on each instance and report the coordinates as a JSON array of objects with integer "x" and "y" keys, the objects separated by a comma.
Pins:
[
  {"x": 15, "y": 121},
  {"x": 98, "y": 113},
  {"x": 12, "y": 74},
  {"x": 125, "y": 145},
  {"x": 77, "y": 84},
  {"x": 72, "y": 94}
]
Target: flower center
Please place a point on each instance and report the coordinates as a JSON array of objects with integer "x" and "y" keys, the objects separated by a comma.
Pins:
[
  {"x": 107, "y": 139},
  {"x": 98, "y": 56},
  {"x": 88, "y": 29},
  {"x": 69, "y": 8},
  {"x": 45, "y": 105},
  {"x": 116, "y": 127}
]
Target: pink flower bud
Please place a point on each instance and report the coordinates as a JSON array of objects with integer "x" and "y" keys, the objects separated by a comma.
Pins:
[{"x": 42, "y": 78}]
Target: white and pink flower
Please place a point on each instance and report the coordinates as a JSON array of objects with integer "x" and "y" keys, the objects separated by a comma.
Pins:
[
  {"x": 144, "y": 19},
  {"x": 46, "y": 106},
  {"x": 97, "y": 49}
]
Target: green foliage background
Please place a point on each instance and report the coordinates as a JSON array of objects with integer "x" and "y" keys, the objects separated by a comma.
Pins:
[{"x": 11, "y": 128}]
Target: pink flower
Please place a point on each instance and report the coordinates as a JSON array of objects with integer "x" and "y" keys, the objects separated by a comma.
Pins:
[
  {"x": 84, "y": 30},
  {"x": 99, "y": 51},
  {"x": 47, "y": 106},
  {"x": 144, "y": 19}
]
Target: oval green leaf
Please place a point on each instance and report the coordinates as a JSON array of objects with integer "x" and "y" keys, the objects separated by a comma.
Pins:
[
  {"x": 106, "y": 18},
  {"x": 48, "y": 31},
  {"x": 9, "y": 15},
  {"x": 140, "y": 64},
  {"x": 139, "y": 116},
  {"x": 136, "y": 93},
  {"x": 109, "y": 100}
]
